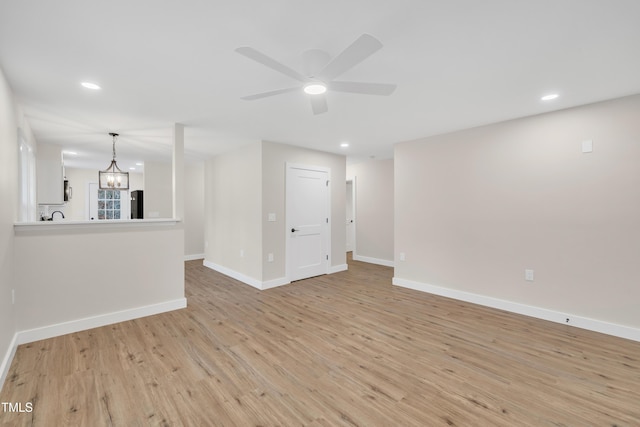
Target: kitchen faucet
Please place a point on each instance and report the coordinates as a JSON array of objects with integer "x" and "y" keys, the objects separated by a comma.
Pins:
[{"x": 54, "y": 212}]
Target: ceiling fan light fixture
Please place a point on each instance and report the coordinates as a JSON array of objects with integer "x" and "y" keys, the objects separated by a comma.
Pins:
[
  {"x": 549, "y": 97},
  {"x": 320, "y": 75},
  {"x": 89, "y": 85},
  {"x": 315, "y": 88}
]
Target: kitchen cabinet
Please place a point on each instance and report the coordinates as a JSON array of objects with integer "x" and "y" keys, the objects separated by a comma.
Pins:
[{"x": 50, "y": 175}]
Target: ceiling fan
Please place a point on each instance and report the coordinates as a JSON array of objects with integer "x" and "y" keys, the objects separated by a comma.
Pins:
[{"x": 320, "y": 72}]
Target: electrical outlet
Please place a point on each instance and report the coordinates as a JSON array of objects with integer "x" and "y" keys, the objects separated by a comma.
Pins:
[
  {"x": 528, "y": 275},
  {"x": 402, "y": 257},
  {"x": 270, "y": 258},
  {"x": 13, "y": 296},
  {"x": 241, "y": 253}
]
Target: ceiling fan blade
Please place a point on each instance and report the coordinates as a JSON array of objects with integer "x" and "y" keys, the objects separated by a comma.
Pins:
[
  {"x": 382, "y": 89},
  {"x": 318, "y": 104},
  {"x": 358, "y": 51},
  {"x": 267, "y": 94},
  {"x": 263, "y": 59}
]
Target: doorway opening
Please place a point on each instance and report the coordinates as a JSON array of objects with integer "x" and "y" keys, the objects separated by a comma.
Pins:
[{"x": 350, "y": 204}]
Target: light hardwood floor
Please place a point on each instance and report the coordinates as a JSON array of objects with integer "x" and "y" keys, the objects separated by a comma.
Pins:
[{"x": 344, "y": 349}]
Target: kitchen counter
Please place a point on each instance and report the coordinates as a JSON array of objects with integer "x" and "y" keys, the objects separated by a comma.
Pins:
[{"x": 116, "y": 224}]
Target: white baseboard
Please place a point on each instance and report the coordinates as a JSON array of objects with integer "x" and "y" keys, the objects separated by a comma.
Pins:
[
  {"x": 337, "y": 268},
  {"x": 64, "y": 328},
  {"x": 613, "y": 329},
  {"x": 233, "y": 274},
  {"x": 7, "y": 359},
  {"x": 193, "y": 257},
  {"x": 275, "y": 283},
  {"x": 372, "y": 260},
  {"x": 258, "y": 284}
]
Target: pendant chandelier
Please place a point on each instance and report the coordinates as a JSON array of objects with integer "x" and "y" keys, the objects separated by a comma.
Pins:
[{"x": 113, "y": 178}]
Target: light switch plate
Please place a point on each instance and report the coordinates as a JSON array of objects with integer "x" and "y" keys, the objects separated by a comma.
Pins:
[
  {"x": 528, "y": 275},
  {"x": 271, "y": 217},
  {"x": 587, "y": 146}
]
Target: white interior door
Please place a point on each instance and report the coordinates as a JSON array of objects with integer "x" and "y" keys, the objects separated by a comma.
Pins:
[
  {"x": 92, "y": 201},
  {"x": 307, "y": 209},
  {"x": 350, "y": 210}
]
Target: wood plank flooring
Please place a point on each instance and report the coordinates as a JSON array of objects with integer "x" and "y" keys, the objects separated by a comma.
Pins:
[{"x": 348, "y": 349}]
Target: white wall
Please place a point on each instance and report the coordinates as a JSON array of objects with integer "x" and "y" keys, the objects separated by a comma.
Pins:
[
  {"x": 194, "y": 210},
  {"x": 158, "y": 190},
  {"x": 232, "y": 211},
  {"x": 374, "y": 210},
  {"x": 9, "y": 196},
  {"x": 474, "y": 209}
]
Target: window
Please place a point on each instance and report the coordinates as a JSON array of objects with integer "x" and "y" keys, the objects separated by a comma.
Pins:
[
  {"x": 109, "y": 204},
  {"x": 27, "y": 211}
]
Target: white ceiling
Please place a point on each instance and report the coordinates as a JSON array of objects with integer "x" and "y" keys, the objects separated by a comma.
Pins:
[{"x": 457, "y": 64}]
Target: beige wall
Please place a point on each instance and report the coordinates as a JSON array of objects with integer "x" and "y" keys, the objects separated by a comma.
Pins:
[
  {"x": 95, "y": 270},
  {"x": 194, "y": 209},
  {"x": 158, "y": 190},
  {"x": 50, "y": 190},
  {"x": 8, "y": 193},
  {"x": 241, "y": 188},
  {"x": 75, "y": 209},
  {"x": 233, "y": 208},
  {"x": 79, "y": 179},
  {"x": 474, "y": 209},
  {"x": 374, "y": 210},
  {"x": 274, "y": 159}
]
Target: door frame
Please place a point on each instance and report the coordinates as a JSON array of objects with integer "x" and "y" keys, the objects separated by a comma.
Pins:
[
  {"x": 327, "y": 229},
  {"x": 354, "y": 212}
]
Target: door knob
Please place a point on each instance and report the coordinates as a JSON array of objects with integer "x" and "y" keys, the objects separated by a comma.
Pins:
[{"x": 293, "y": 230}]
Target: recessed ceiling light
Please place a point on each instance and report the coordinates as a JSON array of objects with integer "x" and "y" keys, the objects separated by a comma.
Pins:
[
  {"x": 139, "y": 164},
  {"x": 315, "y": 88},
  {"x": 90, "y": 85},
  {"x": 71, "y": 153},
  {"x": 344, "y": 145},
  {"x": 132, "y": 169},
  {"x": 549, "y": 97}
]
